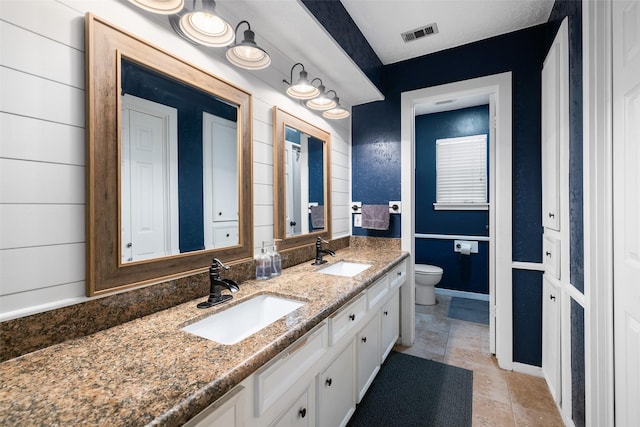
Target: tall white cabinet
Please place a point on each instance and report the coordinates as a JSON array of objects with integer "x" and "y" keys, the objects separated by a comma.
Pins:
[{"x": 555, "y": 211}]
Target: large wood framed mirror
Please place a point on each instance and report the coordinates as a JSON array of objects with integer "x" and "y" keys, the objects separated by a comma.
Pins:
[
  {"x": 302, "y": 181},
  {"x": 169, "y": 156}
]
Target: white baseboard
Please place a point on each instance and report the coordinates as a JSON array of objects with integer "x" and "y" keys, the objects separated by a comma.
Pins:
[
  {"x": 523, "y": 368},
  {"x": 462, "y": 294}
]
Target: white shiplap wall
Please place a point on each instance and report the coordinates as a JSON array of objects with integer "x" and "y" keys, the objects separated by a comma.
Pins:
[{"x": 42, "y": 144}]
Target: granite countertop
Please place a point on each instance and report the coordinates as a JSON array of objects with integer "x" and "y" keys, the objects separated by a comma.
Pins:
[{"x": 150, "y": 372}]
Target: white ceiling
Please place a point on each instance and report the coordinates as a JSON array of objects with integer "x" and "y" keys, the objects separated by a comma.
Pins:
[{"x": 459, "y": 22}]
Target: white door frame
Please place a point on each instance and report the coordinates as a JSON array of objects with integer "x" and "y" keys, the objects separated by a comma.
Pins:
[
  {"x": 500, "y": 210},
  {"x": 597, "y": 36}
]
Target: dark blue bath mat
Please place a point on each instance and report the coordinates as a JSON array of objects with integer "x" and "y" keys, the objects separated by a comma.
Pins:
[{"x": 471, "y": 310}]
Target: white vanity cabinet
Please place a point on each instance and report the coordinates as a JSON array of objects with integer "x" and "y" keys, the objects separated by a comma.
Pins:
[
  {"x": 389, "y": 324},
  {"x": 283, "y": 377},
  {"x": 318, "y": 379},
  {"x": 367, "y": 355},
  {"x": 343, "y": 323},
  {"x": 301, "y": 413},
  {"x": 336, "y": 391}
]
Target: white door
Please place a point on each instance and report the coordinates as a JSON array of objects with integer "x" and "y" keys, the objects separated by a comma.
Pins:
[
  {"x": 220, "y": 187},
  {"x": 551, "y": 78},
  {"x": 626, "y": 210},
  {"x": 149, "y": 208}
]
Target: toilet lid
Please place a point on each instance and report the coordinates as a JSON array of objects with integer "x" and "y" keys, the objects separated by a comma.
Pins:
[{"x": 428, "y": 269}]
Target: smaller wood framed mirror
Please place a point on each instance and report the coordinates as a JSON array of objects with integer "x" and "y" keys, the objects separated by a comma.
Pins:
[{"x": 302, "y": 181}]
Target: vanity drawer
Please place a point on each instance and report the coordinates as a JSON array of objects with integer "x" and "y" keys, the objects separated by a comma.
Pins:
[
  {"x": 551, "y": 255},
  {"x": 225, "y": 234},
  {"x": 345, "y": 320},
  {"x": 282, "y": 374},
  {"x": 398, "y": 275},
  {"x": 377, "y": 291}
]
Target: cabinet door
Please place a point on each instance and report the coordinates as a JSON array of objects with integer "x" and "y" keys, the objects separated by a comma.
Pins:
[
  {"x": 389, "y": 325},
  {"x": 550, "y": 139},
  {"x": 283, "y": 376},
  {"x": 551, "y": 336},
  {"x": 551, "y": 252},
  {"x": 225, "y": 412},
  {"x": 336, "y": 401},
  {"x": 299, "y": 414},
  {"x": 368, "y": 356}
]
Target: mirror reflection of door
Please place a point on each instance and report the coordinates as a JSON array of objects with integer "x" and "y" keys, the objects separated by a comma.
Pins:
[
  {"x": 149, "y": 180},
  {"x": 293, "y": 160},
  {"x": 220, "y": 187}
]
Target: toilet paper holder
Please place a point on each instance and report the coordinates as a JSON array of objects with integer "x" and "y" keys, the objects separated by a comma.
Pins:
[{"x": 465, "y": 246}]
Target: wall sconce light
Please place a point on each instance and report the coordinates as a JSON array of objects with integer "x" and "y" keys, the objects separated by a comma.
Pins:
[
  {"x": 322, "y": 101},
  {"x": 302, "y": 88},
  {"x": 203, "y": 26},
  {"x": 337, "y": 112},
  {"x": 248, "y": 54},
  {"x": 163, "y": 7}
]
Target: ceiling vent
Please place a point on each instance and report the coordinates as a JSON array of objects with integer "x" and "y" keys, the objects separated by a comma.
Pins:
[{"x": 419, "y": 33}]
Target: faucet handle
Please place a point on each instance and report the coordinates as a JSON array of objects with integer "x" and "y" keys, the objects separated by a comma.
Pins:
[{"x": 219, "y": 263}]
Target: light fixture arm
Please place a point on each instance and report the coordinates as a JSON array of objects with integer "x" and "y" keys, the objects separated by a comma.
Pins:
[
  {"x": 238, "y": 26},
  {"x": 319, "y": 79},
  {"x": 291, "y": 72},
  {"x": 335, "y": 95}
]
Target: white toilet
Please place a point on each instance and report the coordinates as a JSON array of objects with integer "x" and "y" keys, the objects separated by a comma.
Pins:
[{"x": 427, "y": 277}]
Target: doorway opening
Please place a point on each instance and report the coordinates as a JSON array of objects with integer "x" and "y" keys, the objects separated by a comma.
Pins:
[{"x": 498, "y": 90}]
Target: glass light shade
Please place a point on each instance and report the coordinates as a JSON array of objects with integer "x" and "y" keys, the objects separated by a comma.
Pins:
[
  {"x": 337, "y": 112},
  {"x": 322, "y": 101},
  {"x": 248, "y": 54},
  {"x": 302, "y": 89},
  {"x": 206, "y": 28},
  {"x": 248, "y": 57},
  {"x": 164, "y": 7}
]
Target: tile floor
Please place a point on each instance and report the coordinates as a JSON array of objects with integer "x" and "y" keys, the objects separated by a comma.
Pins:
[{"x": 500, "y": 398}]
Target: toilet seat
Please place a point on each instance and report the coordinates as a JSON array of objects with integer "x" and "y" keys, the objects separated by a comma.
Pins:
[{"x": 427, "y": 269}]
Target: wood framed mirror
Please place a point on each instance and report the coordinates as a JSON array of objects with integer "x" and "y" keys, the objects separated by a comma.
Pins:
[
  {"x": 191, "y": 185},
  {"x": 302, "y": 181}
]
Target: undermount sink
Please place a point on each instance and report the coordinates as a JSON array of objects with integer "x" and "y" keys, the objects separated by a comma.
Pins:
[
  {"x": 244, "y": 319},
  {"x": 345, "y": 268}
]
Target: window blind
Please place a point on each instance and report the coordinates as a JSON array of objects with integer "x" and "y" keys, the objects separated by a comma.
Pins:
[{"x": 461, "y": 170}]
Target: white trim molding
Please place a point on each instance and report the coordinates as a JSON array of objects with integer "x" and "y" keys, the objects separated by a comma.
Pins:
[
  {"x": 531, "y": 266},
  {"x": 597, "y": 35}
]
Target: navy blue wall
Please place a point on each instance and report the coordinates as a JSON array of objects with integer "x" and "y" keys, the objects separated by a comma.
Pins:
[
  {"x": 190, "y": 103},
  {"x": 376, "y": 126},
  {"x": 376, "y": 140},
  {"x": 527, "y": 319},
  {"x": 376, "y": 147},
  {"x": 465, "y": 273}
]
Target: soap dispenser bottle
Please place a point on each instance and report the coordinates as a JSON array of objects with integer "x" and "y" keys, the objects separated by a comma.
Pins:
[
  {"x": 263, "y": 265},
  {"x": 276, "y": 260}
]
